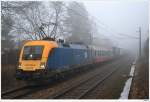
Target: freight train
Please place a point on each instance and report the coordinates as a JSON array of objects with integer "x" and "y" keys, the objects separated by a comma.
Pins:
[{"x": 42, "y": 59}]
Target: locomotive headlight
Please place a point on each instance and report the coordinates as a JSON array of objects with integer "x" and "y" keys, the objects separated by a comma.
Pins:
[
  {"x": 42, "y": 66},
  {"x": 19, "y": 66}
]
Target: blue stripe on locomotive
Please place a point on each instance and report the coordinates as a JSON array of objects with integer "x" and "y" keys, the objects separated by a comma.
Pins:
[{"x": 65, "y": 57}]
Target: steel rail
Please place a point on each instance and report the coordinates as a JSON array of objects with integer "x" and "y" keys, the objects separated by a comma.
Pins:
[
  {"x": 58, "y": 95},
  {"x": 84, "y": 93}
]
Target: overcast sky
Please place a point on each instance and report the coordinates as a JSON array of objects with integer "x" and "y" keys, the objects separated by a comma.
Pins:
[{"x": 120, "y": 16}]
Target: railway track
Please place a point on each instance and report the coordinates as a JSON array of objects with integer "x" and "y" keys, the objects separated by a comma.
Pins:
[
  {"x": 99, "y": 90},
  {"x": 79, "y": 90},
  {"x": 75, "y": 91},
  {"x": 18, "y": 92},
  {"x": 45, "y": 94}
]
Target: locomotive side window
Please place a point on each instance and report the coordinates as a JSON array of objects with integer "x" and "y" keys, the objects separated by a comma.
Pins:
[{"x": 32, "y": 52}]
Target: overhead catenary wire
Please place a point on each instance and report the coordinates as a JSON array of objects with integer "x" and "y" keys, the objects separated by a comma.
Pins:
[
  {"x": 109, "y": 28},
  {"x": 120, "y": 35}
]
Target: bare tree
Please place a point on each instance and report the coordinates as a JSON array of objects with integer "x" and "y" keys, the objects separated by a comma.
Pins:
[
  {"x": 37, "y": 20},
  {"x": 7, "y": 38},
  {"x": 55, "y": 19},
  {"x": 34, "y": 20},
  {"x": 78, "y": 24}
]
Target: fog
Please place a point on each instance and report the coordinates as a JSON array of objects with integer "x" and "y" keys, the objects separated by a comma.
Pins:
[
  {"x": 118, "y": 18},
  {"x": 103, "y": 23}
]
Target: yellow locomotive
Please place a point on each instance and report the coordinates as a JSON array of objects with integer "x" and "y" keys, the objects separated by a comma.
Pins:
[{"x": 44, "y": 58}]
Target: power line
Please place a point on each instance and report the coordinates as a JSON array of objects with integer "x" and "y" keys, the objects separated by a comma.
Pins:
[
  {"x": 100, "y": 22},
  {"x": 121, "y": 35}
]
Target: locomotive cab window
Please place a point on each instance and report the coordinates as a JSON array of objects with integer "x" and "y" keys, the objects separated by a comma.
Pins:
[{"x": 32, "y": 52}]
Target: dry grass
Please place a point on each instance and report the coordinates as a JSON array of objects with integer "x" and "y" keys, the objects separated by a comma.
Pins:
[{"x": 140, "y": 85}]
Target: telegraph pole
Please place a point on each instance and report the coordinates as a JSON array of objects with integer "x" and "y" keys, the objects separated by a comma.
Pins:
[{"x": 139, "y": 42}]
